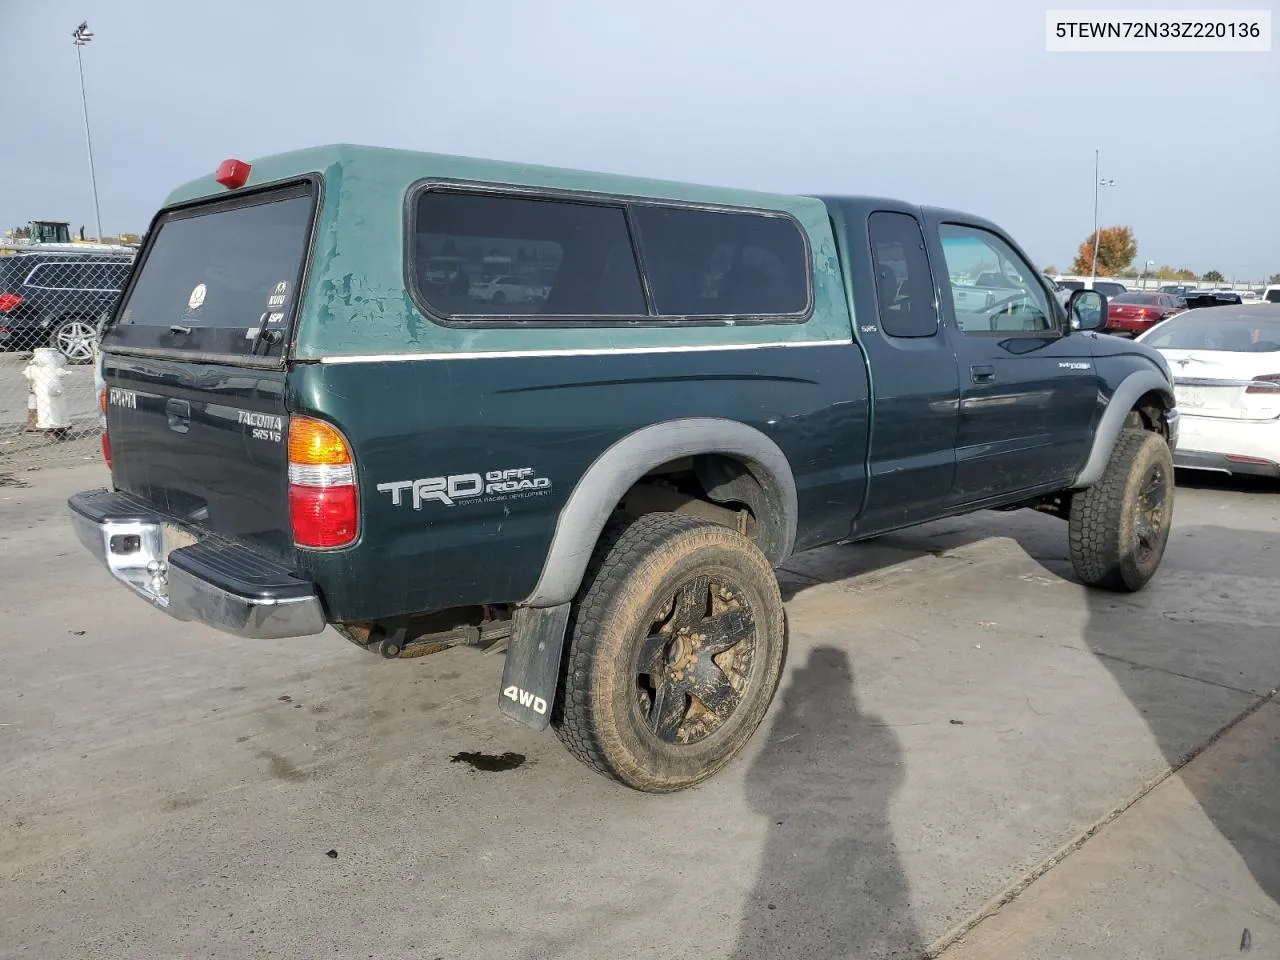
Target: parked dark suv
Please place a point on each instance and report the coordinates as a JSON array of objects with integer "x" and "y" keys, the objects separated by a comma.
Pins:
[{"x": 56, "y": 299}]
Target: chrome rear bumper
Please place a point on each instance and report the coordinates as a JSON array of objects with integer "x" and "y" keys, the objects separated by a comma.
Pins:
[{"x": 228, "y": 586}]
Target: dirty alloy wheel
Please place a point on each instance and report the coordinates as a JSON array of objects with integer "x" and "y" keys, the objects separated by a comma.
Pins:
[
  {"x": 74, "y": 339},
  {"x": 675, "y": 648},
  {"x": 1119, "y": 527}
]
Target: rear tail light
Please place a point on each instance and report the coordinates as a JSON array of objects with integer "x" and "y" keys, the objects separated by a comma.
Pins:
[
  {"x": 106, "y": 441},
  {"x": 9, "y": 301},
  {"x": 1268, "y": 383},
  {"x": 324, "y": 504}
]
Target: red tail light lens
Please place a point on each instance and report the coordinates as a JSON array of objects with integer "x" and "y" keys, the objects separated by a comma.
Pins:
[
  {"x": 106, "y": 447},
  {"x": 9, "y": 301},
  {"x": 324, "y": 503},
  {"x": 323, "y": 517},
  {"x": 1268, "y": 383}
]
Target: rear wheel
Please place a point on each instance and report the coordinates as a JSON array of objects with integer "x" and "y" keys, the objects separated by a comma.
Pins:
[
  {"x": 74, "y": 338},
  {"x": 675, "y": 648},
  {"x": 1119, "y": 527}
]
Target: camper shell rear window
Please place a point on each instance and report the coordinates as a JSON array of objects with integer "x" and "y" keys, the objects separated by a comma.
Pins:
[{"x": 220, "y": 279}]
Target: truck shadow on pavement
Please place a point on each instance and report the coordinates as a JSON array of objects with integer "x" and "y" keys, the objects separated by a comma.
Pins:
[{"x": 830, "y": 882}]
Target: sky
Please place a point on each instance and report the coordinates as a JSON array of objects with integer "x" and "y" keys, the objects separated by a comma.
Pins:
[{"x": 953, "y": 104}]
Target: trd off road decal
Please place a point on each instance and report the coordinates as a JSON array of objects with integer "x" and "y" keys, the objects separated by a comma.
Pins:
[{"x": 461, "y": 488}]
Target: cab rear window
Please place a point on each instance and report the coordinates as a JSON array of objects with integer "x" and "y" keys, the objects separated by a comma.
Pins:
[{"x": 220, "y": 278}]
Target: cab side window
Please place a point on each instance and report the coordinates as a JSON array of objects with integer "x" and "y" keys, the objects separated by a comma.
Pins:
[
  {"x": 904, "y": 285},
  {"x": 994, "y": 290}
]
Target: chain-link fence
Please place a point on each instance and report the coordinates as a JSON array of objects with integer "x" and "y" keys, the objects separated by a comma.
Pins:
[{"x": 53, "y": 299}]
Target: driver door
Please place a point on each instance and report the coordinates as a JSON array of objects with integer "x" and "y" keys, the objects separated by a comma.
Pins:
[{"x": 1028, "y": 389}]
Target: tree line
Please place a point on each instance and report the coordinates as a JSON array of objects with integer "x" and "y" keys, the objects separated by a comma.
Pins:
[{"x": 1117, "y": 247}]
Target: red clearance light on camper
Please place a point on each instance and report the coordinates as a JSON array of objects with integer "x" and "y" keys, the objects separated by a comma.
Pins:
[{"x": 232, "y": 174}]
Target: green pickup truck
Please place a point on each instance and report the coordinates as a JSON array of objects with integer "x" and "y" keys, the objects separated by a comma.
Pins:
[{"x": 319, "y": 413}]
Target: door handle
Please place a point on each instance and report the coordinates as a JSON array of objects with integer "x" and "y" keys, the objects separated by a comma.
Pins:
[
  {"x": 983, "y": 373},
  {"x": 179, "y": 414}
]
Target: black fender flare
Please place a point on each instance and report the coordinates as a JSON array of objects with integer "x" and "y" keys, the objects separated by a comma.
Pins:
[
  {"x": 616, "y": 470},
  {"x": 1131, "y": 389}
]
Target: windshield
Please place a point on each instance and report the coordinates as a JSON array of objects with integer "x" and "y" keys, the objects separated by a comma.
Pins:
[
  {"x": 215, "y": 275},
  {"x": 1145, "y": 298},
  {"x": 1229, "y": 331}
]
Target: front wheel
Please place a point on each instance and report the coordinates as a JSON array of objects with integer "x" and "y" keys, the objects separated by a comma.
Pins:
[
  {"x": 1119, "y": 527},
  {"x": 74, "y": 338},
  {"x": 676, "y": 645}
]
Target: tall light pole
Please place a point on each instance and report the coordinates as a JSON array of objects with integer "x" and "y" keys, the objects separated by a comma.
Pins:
[
  {"x": 1093, "y": 267},
  {"x": 82, "y": 36}
]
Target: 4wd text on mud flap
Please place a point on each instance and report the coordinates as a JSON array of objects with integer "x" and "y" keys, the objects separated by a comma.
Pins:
[
  {"x": 526, "y": 699},
  {"x": 466, "y": 487}
]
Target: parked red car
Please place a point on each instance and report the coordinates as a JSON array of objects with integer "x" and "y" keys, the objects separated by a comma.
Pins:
[{"x": 1137, "y": 312}]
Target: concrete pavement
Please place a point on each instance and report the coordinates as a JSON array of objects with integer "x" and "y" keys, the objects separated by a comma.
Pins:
[
  {"x": 954, "y": 714},
  {"x": 1190, "y": 870}
]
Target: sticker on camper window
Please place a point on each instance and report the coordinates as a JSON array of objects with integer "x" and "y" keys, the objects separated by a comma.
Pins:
[
  {"x": 275, "y": 318},
  {"x": 279, "y": 294},
  {"x": 197, "y": 297}
]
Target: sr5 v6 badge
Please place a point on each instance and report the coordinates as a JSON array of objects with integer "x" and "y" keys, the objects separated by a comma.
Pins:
[{"x": 459, "y": 488}]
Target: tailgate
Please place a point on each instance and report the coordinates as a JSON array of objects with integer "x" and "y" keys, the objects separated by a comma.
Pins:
[
  {"x": 203, "y": 443},
  {"x": 194, "y": 363}
]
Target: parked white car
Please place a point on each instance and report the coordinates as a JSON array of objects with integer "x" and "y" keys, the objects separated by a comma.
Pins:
[
  {"x": 1226, "y": 376},
  {"x": 507, "y": 289}
]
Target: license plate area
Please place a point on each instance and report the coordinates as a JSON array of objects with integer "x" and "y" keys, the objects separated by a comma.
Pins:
[
  {"x": 1222, "y": 401},
  {"x": 137, "y": 554}
]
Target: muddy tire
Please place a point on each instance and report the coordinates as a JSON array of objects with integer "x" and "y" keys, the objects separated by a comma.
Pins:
[
  {"x": 675, "y": 647},
  {"x": 1119, "y": 527}
]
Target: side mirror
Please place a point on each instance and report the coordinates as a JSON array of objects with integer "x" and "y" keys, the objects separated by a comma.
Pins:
[{"x": 1087, "y": 310}]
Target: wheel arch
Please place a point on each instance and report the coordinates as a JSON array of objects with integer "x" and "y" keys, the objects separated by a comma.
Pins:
[
  {"x": 604, "y": 484},
  {"x": 1142, "y": 392}
]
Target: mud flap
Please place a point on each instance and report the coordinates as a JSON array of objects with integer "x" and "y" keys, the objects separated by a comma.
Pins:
[{"x": 532, "y": 670}]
